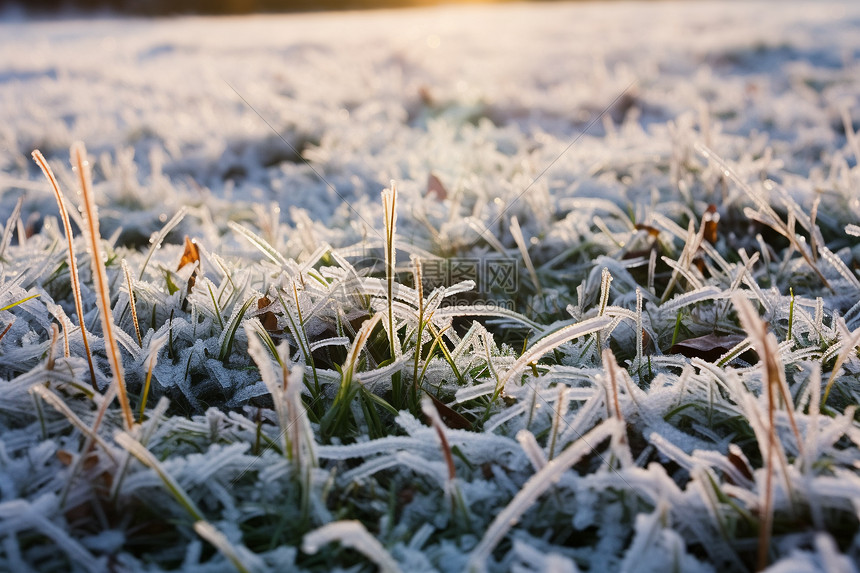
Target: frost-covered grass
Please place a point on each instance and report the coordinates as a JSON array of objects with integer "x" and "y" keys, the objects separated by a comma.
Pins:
[{"x": 617, "y": 329}]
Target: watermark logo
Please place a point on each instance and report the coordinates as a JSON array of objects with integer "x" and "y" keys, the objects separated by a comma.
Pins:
[
  {"x": 495, "y": 277},
  {"x": 492, "y": 275}
]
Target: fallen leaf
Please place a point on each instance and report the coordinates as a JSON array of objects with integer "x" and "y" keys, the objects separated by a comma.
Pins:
[
  {"x": 709, "y": 347},
  {"x": 268, "y": 318},
  {"x": 652, "y": 231},
  {"x": 740, "y": 462},
  {"x": 449, "y": 417},
  {"x": 487, "y": 470},
  {"x": 711, "y": 220},
  {"x": 426, "y": 96},
  {"x": 191, "y": 254},
  {"x": 435, "y": 188}
]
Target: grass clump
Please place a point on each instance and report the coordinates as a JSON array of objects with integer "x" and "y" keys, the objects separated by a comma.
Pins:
[{"x": 321, "y": 372}]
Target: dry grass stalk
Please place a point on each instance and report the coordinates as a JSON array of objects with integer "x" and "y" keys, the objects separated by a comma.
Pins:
[
  {"x": 58, "y": 404},
  {"x": 91, "y": 227},
  {"x": 436, "y": 421},
  {"x": 55, "y": 334},
  {"x": 130, "y": 285},
  {"x": 850, "y": 340},
  {"x": 773, "y": 380},
  {"x": 389, "y": 205},
  {"x": 154, "y": 346},
  {"x": 520, "y": 240},
  {"x": 92, "y": 439},
  {"x": 292, "y": 398},
  {"x": 66, "y": 327},
  {"x": 73, "y": 263},
  {"x": 560, "y": 411},
  {"x": 6, "y": 237},
  {"x": 691, "y": 246},
  {"x": 766, "y": 524},
  {"x": 5, "y": 330},
  {"x": 611, "y": 367},
  {"x": 536, "y": 485},
  {"x": 766, "y": 214},
  {"x": 419, "y": 289}
]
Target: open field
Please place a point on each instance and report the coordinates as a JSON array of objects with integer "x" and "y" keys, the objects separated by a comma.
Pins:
[{"x": 549, "y": 287}]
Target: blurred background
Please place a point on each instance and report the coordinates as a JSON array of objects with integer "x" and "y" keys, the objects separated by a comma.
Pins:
[{"x": 168, "y": 7}]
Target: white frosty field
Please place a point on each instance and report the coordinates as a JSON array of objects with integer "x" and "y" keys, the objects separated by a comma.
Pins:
[{"x": 635, "y": 342}]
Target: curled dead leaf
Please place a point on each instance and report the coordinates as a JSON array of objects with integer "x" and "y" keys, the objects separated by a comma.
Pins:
[
  {"x": 191, "y": 254},
  {"x": 268, "y": 318}
]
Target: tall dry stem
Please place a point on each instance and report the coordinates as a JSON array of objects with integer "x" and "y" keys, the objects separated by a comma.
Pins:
[
  {"x": 131, "y": 303},
  {"x": 91, "y": 230},
  {"x": 389, "y": 204},
  {"x": 73, "y": 262},
  {"x": 774, "y": 383}
]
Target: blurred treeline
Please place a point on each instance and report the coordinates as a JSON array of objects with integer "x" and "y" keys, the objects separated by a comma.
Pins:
[{"x": 167, "y": 7}]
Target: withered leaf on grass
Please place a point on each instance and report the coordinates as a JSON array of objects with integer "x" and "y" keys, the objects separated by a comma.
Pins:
[
  {"x": 268, "y": 318},
  {"x": 653, "y": 232},
  {"x": 65, "y": 457},
  {"x": 435, "y": 188},
  {"x": 711, "y": 220},
  {"x": 643, "y": 247},
  {"x": 709, "y": 347},
  {"x": 449, "y": 417},
  {"x": 426, "y": 96},
  {"x": 190, "y": 256},
  {"x": 737, "y": 458}
]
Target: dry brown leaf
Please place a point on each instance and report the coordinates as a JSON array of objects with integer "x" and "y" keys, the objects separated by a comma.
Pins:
[
  {"x": 435, "y": 188},
  {"x": 191, "y": 254},
  {"x": 653, "y": 232},
  {"x": 711, "y": 221},
  {"x": 709, "y": 347},
  {"x": 268, "y": 318},
  {"x": 64, "y": 457},
  {"x": 426, "y": 96},
  {"x": 450, "y": 418},
  {"x": 740, "y": 462}
]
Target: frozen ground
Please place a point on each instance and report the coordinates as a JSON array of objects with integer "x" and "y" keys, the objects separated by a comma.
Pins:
[{"x": 581, "y": 143}]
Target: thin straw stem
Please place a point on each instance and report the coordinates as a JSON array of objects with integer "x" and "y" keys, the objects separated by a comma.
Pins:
[
  {"x": 73, "y": 263},
  {"x": 91, "y": 227}
]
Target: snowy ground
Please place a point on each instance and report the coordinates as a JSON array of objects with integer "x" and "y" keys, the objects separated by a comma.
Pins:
[{"x": 569, "y": 139}]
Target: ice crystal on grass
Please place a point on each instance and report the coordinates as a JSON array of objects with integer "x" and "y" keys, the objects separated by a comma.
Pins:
[{"x": 613, "y": 339}]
